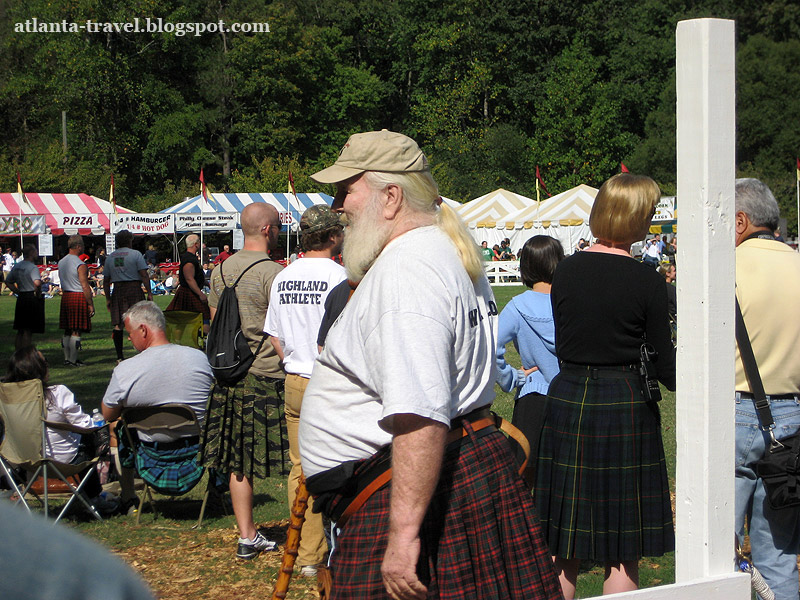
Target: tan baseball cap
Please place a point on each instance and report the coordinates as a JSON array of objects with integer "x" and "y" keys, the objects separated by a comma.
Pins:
[{"x": 382, "y": 150}]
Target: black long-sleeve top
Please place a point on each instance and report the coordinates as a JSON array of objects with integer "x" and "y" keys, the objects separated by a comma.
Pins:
[{"x": 605, "y": 306}]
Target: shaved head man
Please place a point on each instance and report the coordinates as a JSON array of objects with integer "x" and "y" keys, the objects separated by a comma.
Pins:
[{"x": 241, "y": 418}]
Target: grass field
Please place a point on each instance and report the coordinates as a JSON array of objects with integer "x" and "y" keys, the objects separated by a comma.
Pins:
[{"x": 179, "y": 562}]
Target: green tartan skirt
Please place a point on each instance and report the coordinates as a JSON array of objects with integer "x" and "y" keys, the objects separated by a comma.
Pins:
[
  {"x": 602, "y": 490},
  {"x": 245, "y": 429}
]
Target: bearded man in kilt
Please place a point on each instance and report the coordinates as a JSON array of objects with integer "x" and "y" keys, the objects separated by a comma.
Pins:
[
  {"x": 406, "y": 379},
  {"x": 77, "y": 303}
]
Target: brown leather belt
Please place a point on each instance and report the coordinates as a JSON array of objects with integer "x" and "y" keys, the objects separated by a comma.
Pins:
[{"x": 453, "y": 436}]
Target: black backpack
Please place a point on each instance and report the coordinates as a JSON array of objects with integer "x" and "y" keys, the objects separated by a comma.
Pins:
[{"x": 227, "y": 349}]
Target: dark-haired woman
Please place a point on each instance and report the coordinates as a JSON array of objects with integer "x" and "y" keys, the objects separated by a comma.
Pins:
[
  {"x": 63, "y": 446},
  {"x": 602, "y": 491},
  {"x": 527, "y": 320}
]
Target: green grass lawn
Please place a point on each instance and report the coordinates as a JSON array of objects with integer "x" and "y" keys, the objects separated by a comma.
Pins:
[{"x": 170, "y": 530}]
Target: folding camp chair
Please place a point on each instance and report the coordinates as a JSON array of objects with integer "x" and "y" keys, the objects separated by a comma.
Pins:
[
  {"x": 185, "y": 328},
  {"x": 165, "y": 418},
  {"x": 22, "y": 408}
]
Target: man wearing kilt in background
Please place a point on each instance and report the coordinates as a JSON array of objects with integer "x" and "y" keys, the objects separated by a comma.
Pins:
[
  {"x": 77, "y": 305},
  {"x": 25, "y": 281},
  {"x": 407, "y": 378},
  {"x": 245, "y": 432},
  {"x": 127, "y": 270},
  {"x": 190, "y": 296}
]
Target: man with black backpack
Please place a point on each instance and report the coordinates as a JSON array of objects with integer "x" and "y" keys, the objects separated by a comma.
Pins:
[{"x": 245, "y": 415}]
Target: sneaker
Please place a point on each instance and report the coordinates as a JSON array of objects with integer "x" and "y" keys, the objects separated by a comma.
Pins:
[
  {"x": 79, "y": 363},
  {"x": 308, "y": 571},
  {"x": 248, "y": 549},
  {"x": 129, "y": 507},
  {"x": 106, "y": 504}
]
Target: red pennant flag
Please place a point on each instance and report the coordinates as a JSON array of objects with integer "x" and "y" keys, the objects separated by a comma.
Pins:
[
  {"x": 798, "y": 169},
  {"x": 623, "y": 168},
  {"x": 539, "y": 179},
  {"x": 203, "y": 185},
  {"x": 291, "y": 185}
]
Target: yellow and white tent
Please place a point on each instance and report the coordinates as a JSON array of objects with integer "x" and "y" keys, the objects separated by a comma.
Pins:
[
  {"x": 481, "y": 215},
  {"x": 486, "y": 210},
  {"x": 564, "y": 217}
]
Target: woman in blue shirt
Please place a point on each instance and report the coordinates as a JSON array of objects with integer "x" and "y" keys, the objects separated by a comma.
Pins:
[{"x": 527, "y": 320}]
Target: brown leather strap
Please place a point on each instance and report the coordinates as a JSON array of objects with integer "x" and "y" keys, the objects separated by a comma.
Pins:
[
  {"x": 453, "y": 435},
  {"x": 359, "y": 500},
  {"x": 514, "y": 433}
]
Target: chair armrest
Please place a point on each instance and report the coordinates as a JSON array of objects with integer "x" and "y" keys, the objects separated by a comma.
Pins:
[{"x": 70, "y": 427}]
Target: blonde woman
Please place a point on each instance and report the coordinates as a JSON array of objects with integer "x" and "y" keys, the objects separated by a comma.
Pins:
[{"x": 602, "y": 490}]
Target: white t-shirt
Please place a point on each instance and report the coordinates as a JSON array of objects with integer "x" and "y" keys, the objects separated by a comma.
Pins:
[
  {"x": 160, "y": 375},
  {"x": 124, "y": 264},
  {"x": 68, "y": 272},
  {"x": 296, "y": 307},
  {"x": 8, "y": 262},
  {"x": 416, "y": 337},
  {"x": 62, "y": 408}
]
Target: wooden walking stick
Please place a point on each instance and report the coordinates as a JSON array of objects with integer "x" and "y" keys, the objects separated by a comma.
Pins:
[{"x": 292, "y": 540}]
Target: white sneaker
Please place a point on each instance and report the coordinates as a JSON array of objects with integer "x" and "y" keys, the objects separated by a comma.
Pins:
[
  {"x": 308, "y": 571},
  {"x": 248, "y": 549}
]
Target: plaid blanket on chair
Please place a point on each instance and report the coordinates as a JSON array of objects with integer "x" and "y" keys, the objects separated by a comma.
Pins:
[{"x": 172, "y": 471}]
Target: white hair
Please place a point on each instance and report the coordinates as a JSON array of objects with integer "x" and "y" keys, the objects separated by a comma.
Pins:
[
  {"x": 422, "y": 196},
  {"x": 148, "y": 313}
]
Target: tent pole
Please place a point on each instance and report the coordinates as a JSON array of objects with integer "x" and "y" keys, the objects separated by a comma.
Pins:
[
  {"x": 288, "y": 228},
  {"x": 21, "y": 241}
]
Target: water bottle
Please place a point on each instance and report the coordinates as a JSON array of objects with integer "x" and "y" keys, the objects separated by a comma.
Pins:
[{"x": 97, "y": 418}]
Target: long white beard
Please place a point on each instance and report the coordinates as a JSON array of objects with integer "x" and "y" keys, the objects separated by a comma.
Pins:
[{"x": 364, "y": 239}]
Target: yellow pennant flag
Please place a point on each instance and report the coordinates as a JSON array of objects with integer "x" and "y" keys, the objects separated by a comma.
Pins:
[{"x": 21, "y": 193}]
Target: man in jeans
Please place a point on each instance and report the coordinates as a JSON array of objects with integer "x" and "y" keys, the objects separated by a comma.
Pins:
[{"x": 767, "y": 287}]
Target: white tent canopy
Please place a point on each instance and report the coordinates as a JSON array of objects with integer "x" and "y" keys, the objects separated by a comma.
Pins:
[{"x": 290, "y": 206}]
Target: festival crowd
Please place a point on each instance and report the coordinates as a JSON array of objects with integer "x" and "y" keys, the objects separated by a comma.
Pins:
[{"x": 370, "y": 385}]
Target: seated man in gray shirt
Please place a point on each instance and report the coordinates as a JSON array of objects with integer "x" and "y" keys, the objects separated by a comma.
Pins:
[{"x": 149, "y": 379}]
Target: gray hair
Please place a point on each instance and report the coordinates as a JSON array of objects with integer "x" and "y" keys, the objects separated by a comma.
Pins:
[
  {"x": 755, "y": 199},
  {"x": 146, "y": 312}
]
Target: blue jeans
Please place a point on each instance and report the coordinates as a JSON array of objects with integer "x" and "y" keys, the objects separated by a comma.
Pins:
[{"x": 774, "y": 534}]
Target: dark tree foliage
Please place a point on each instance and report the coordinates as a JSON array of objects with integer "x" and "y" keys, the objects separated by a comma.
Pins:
[{"x": 489, "y": 89}]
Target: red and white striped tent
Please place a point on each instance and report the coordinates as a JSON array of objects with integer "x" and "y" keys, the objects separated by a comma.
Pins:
[{"x": 51, "y": 205}]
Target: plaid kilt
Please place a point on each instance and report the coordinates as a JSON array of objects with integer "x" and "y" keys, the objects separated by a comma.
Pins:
[
  {"x": 245, "y": 429},
  {"x": 185, "y": 299},
  {"x": 124, "y": 295},
  {"x": 29, "y": 313},
  {"x": 601, "y": 487},
  {"x": 74, "y": 312},
  {"x": 171, "y": 472},
  {"x": 480, "y": 538}
]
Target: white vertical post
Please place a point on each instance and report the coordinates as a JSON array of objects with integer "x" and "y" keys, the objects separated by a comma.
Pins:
[{"x": 706, "y": 272}]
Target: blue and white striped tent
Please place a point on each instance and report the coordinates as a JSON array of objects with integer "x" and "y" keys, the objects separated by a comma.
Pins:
[{"x": 290, "y": 207}]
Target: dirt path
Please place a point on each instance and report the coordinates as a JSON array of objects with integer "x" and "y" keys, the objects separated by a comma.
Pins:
[{"x": 203, "y": 566}]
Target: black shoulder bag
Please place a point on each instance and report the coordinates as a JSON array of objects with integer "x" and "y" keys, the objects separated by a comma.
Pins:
[{"x": 780, "y": 467}]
